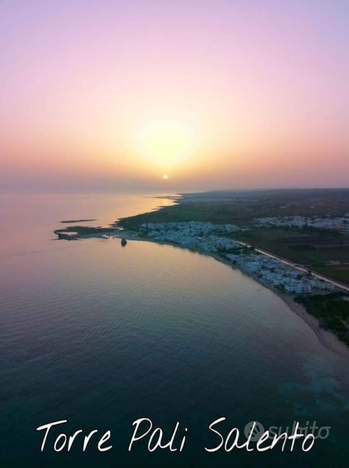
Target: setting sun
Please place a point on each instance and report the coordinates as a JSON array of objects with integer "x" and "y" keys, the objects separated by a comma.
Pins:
[{"x": 165, "y": 176}]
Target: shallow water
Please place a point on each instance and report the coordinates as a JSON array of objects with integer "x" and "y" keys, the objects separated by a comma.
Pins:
[{"x": 101, "y": 335}]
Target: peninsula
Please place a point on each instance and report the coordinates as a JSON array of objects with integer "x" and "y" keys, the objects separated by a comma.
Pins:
[{"x": 295, "y": 242}]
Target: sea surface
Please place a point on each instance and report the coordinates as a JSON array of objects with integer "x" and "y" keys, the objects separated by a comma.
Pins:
[{"x": 102, "y": 335}]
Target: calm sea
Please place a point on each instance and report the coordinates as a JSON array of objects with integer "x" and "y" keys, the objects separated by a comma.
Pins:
[{"x": 101, "y": 335}]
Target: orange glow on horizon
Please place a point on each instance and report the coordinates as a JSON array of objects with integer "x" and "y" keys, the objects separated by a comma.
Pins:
[{"x": 131, "y": 99}]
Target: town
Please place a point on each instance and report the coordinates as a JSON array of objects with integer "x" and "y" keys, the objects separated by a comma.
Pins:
[
  {"x": 337, "y": 223},
  {"x": 211, "y": 238}
]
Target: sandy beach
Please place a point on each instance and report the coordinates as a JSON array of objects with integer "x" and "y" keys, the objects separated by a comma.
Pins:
[{"x": 326, "y": 338}]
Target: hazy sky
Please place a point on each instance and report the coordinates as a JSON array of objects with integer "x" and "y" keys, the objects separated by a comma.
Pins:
[{"x": 214, "y": 93}]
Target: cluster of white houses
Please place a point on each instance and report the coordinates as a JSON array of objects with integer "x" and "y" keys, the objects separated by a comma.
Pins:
[
  {"x": 194, "y": 234},
  {"x": 340, "y": 223},
  {"x": 210, "y": 238},
  {"x": 278, "y": 273}
]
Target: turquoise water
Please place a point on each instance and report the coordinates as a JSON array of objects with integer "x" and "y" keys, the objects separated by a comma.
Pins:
[{"x": 101, "y": 335}]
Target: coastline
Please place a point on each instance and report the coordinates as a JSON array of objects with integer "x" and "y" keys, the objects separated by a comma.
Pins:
[{"x": 328, "y": 339}]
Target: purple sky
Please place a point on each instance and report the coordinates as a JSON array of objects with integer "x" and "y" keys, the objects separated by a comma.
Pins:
[{"x": 215, "y": 93}]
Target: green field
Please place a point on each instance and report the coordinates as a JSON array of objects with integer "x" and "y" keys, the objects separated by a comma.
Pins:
[{"x": 314, "y": 250}]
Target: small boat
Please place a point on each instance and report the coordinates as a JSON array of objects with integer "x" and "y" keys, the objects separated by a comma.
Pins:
[{"x": 123, "y": 242}]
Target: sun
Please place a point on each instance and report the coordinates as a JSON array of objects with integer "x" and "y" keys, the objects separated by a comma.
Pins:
[{"x": 165, "y": 176}]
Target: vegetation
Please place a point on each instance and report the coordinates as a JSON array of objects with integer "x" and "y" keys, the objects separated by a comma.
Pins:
[
  {"x": 325, "y": 252},
  {"x": 332, "y": 311}
]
